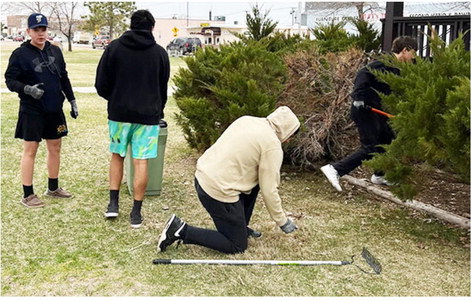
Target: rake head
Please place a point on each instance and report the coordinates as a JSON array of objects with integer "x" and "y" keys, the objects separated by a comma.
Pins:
[{"x": 371, "y": 260}]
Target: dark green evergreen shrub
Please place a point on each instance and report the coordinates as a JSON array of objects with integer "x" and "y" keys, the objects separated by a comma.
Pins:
[
  {"x": 332, "y": 37},
  {"x": 368, "y": 38},
  {"x": 220, "y": 85},
  {"x": 258, "y": 24},
  {"x": 284, "y": 43},
  {"x": 431, "y": 101}
]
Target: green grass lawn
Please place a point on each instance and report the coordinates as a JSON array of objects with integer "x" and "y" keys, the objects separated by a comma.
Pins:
[{"x": 67, "y": 248}]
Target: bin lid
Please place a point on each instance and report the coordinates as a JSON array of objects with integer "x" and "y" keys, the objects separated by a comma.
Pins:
[{"x": 163, "y": 124}]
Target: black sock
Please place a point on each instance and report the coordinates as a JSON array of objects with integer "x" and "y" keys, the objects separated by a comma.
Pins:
[
  {"x": 114, "y": 196},
  {"x": 27, "y": 190},
  {"x": 53, "y": 184},
  {"x": 136, "y": 208}
]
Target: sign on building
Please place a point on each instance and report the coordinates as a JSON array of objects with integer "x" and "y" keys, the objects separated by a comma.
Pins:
[{"x": 175, "y": 31}]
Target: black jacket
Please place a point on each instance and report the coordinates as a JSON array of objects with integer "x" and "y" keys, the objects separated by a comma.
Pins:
[
  {"x": 366, "y": 84},
  {"x": 133, "y": 76},
  {"x": 29, "y": 65}
]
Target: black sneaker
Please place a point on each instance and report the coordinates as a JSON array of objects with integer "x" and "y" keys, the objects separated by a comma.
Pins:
[
  {"x": 253, "y": 233},
  {"x": 112, "y": 210},
  {"x": 171, "y": 233},
  {"x": 136, "y": 220}
]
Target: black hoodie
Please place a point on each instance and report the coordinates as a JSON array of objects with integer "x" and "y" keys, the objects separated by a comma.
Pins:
[
  {"x": 133, "y": 76},
  {"x": 367, "y": 86},
  {"x": 29, "y": 65}
]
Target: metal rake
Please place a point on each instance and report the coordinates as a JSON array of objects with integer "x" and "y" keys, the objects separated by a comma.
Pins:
[{"x": 367, "y": 256}]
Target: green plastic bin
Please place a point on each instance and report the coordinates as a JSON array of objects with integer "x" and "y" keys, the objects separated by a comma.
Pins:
[{"x": 155, "y": 166}]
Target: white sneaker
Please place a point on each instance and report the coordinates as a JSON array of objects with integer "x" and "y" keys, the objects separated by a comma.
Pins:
[
  {"x": 380, "y": 180},
  {"x": 332, "y": 175}
]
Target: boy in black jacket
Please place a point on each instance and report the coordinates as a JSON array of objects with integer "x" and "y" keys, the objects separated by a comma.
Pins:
[
  {"x": 132, "y": 76},
  {"x": 37, "y": 72},
  {"x": 373, "y": 129}
]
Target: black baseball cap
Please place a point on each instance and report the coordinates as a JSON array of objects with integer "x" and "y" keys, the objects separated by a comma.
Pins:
[{"x": 37, "y": 20}]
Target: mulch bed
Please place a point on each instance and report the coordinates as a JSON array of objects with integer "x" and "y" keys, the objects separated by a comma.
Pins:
[{"x": 439, "y": 189}]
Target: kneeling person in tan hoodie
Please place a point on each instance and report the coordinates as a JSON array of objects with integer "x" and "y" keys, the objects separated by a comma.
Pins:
[{"x": 245, "y": 159}]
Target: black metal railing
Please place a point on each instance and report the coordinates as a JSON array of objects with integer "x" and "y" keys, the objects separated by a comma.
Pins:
[{"x": 447, "y": 27}]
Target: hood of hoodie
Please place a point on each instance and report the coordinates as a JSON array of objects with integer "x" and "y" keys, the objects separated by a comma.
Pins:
[
  {"x": 137, "y": 39},
  {"x": 284, "y": 122},
  {"x": 27, "y": 44}
]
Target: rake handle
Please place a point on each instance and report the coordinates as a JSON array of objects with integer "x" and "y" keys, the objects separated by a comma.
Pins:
[
  {"x": 375, "y": 110},
  {"x": 247, "y": 262}
]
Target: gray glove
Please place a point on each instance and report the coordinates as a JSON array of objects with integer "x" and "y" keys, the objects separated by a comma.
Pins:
[
  {"x": 74, "y": 110},
  {"x": 289, "y": 227},
  {"x": 34, "y": 91},
  {"x": 359, "y": 104}
]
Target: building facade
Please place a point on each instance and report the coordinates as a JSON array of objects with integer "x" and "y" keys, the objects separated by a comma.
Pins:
[{"x": 165, "y": 30}]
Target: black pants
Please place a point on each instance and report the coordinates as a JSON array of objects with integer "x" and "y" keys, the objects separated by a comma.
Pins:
[
  {"x": 374, "y": 130},
  {"x": 231, "y": 220}
]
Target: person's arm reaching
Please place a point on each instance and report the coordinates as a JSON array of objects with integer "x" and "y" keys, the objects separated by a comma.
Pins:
[{"x": 269, "y": 180}]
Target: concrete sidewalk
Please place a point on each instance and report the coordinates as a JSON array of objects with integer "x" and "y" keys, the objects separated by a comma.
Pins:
[{"x": 90, "y": 89}]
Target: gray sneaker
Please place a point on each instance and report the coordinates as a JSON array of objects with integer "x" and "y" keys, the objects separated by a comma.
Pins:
[
  {"x": 380, "y": 180},
  {"x": 32, "y": 201},
  {"x": 59, "y": 193}
]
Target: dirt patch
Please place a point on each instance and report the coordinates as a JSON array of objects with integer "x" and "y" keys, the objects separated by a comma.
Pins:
[{"x": 439, "y": 189}]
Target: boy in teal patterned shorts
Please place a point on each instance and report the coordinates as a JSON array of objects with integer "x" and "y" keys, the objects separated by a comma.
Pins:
[
  {"x": 143, "y": 140},
  {"x": 133, "y": 76}
]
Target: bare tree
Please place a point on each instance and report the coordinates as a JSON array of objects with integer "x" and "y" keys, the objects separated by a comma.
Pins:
[
  {"x": 61, "y": 15},
  {"x": 335, "y": 7},
  {"x": 64, "y": 13},
  {"x": 41, "y": 7}
]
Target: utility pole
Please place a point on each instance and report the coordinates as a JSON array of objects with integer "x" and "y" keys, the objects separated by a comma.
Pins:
[
  {"x": 393, "y": 9},
  {"x": 187, "y": 13},
  {"x": 299, "y": 17},
  {"x": 292, "y": 16}
]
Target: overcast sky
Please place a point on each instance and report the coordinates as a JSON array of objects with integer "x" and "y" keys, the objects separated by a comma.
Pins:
[
  {"x": 279, "y": 10},
  {"x": 236, "y": 10},
  {"x": 233, "y": 11}
]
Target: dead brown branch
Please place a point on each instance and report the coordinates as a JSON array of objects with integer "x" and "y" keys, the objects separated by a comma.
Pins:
[{"x": 318, "y": 90}]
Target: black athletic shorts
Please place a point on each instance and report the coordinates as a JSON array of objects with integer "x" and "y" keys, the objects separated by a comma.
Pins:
[{"x": 33, "y": 127}]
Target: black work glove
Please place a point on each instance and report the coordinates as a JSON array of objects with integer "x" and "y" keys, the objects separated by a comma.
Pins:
[
  {"x": 359, "y": 104},
  {"x": 34, "y": 91},
  {"x": 73, "y": 109},
  {"x": 289, "y": 227}
]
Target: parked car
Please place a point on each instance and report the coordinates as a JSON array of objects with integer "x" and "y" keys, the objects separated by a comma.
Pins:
[
  {"x": 101, "y": 41},
  {"x": 82, "y": 37},
  {"x": 18, "y": 38},
  {"x": 184, "y": 45}
]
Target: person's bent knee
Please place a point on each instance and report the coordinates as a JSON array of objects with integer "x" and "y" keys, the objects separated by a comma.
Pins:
[{"x": 238, "y": 248}]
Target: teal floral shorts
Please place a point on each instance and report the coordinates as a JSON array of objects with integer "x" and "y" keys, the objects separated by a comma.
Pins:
[{"x": 143, "y": 139}]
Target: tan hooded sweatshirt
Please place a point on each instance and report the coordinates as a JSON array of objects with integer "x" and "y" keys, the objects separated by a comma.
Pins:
[{"x": 248, "y": 153}]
